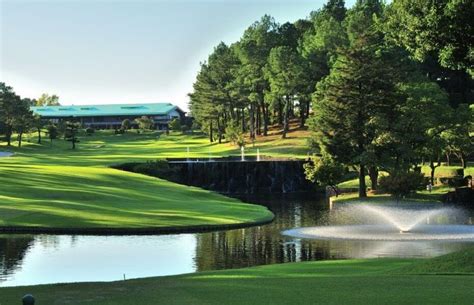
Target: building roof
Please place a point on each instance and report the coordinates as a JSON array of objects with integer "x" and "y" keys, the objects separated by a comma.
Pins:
[{"x": 105, "y": 110}]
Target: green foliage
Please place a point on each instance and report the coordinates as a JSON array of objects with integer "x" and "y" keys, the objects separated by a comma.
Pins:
[
  {"x": 401, "y": 184},
  {"x": 158, "y": 168},
  {"x": 355, "y": 103},
  {"x": 52, "y": 131},
  {"x": 175, "y": 124},
  {"x": 89, "y": 131},
  {"x": 47, "y": 100},
  {"x": 324, "y": 171},
  {"x": 234, "y": 134},
  {"x": 145, "y": 123},
  {"x": 126, "y": 124},
  {"x": 70, "y": 133},
  {"x": 442, "y": 27}
]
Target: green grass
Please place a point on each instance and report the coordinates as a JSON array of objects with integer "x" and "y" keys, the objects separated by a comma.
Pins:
[
  {"x": 363, "y": 281},
  {"x": 62, "y": 188},
  {"x": 419, "y": 197}
]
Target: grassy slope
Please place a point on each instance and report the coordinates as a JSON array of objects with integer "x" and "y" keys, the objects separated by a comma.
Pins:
[
  {"x": 59, "y": 187},
  {"x": 375, "y": 281}
]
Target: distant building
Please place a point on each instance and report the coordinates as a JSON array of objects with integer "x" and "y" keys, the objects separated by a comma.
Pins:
[{"x": 112, "y": 115}]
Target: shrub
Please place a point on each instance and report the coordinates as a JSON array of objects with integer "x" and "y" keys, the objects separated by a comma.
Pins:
[
  {"x": 402, "y": 183},
  {"x": 90, "y": 131},
  {"x": 234, "y": 134},
  {"x": 175, "y": 125},
  {"x": 184, "y": 128},
  {"x": 158, "y": 168}
]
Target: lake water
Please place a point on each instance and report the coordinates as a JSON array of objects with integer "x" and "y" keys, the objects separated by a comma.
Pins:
[{"x": 41, "y": 259}]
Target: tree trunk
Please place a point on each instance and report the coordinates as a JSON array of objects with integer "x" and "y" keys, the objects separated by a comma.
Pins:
[
  {"x": 302, "y": 115},
  {"x": 39, "y": 135},
  {"x": 219, "y": 130},
  {"x": 362, "y": 186},
  {"x": 448, "y": 159},
  {"x": 286, "y": 122},
  {"x": 252, "y": 121},
  {"x": 20, "y": 136},
  {"x": 265, "y": 117},
  {"x": 374, "y": 175},
  {"x": 463, "y": 161},
  {"x": 9, "y": 135},
  {"x": 258, "y": 120},
  {"x": 280, "y": 113},
  {"x": 243, "y": 120},
  {"x": 73, "y": 143},
  {"x": 433, "y": 168},
  {"x": 308, "y": 106},
  {"x": 211, "y": 135}
]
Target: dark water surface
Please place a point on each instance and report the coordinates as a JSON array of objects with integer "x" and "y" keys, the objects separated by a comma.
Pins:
[{"x": 40, "y": 259}]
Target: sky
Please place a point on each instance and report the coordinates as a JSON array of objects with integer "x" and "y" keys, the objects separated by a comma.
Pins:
[{"x": 115, "y": 51}]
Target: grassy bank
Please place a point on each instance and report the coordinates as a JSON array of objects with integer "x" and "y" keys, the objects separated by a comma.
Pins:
[
  {"x": 424, "y": 196},
  {"x": 56, "y": 187},
  {"x": 375, "y": 281}
]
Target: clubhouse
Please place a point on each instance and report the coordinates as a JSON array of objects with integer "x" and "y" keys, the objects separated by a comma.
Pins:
[{"x": 111, "y": 116}]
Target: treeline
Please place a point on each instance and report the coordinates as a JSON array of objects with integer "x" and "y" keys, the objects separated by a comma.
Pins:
[
  {"x": 17, "y": 119},
  {"x": 383, "y": 87},
  {"x": 270, "y": 75}
]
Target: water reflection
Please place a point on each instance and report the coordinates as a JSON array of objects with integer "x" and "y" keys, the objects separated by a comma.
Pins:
[{"x": 37, "y": 259}]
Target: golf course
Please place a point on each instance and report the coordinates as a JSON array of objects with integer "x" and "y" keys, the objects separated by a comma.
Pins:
[
  {"x": 57, "y": 187},
  {"x": 447, "y": 279}
]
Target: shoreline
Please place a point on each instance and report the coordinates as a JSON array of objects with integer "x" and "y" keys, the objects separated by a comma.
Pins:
[{"x": 133, "y": 231}]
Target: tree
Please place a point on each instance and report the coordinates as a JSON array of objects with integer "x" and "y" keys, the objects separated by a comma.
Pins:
[
  {"x": 443, "y": 28},
  {"x": 23, "y": 120},
  {"x": 175, "y": 124},
  {"x": 285, "y": 73},
  {"x": 253, "y": 50},
  {"x": 457, "y": 137},
  {"x": 11, "y": 109},
  {"x": 145, "y": 123},
  {"x": 126, "y": 124},
  {"x": 215, "y": 100},
  {"x": 234, "y": 134},
  {"x": 71, "y": 133},
  {"x": 38, "y": 124},
  {"x": 354, "y": 103},
  {"x": 47, "y": 100},
  {"x": 325, "y": 171},
  {"x": 52, "y": 132}
]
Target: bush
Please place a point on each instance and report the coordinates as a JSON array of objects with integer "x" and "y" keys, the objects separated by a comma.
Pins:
[
  {"x": 234, "y": 134},
  {"x": 90, "y": 131},
  {"x": 158, "y": 168},
  {"x": 184, "y": 128},
  {"x": 402, "y": 183},
  {"x": 175, "y": 125}
]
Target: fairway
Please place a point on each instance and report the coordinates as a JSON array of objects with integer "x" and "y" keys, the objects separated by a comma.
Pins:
[
  {"x": 56, "y": 187},
  {"x": 374, "y": 281}
]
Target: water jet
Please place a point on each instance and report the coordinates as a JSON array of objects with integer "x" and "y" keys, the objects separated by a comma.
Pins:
[{"x": 390, "y": 223}]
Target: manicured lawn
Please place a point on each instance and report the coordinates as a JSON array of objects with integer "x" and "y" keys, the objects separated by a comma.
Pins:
[
  {"x": 370, "y": 281},
  {"x": 58, "y": 187},
  {"x": 420, "y": 197}
]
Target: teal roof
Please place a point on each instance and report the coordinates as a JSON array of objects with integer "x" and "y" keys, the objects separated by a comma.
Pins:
[{"x": 105, "y": 110}]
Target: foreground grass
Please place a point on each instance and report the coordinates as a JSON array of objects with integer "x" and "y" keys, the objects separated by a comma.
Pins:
[
  {"x": 56, "y": 187},
  {"x": 375, "y": 281}
]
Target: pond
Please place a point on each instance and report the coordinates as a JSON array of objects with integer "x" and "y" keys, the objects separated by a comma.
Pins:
[{"x": 41, "y": 259}]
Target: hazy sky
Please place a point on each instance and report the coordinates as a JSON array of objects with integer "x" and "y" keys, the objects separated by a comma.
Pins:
[{"x": 122, "y": 51}]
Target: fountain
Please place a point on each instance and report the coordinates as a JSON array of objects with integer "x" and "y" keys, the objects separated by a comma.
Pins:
[
  {"x": 187, "y": 154},
  {"x": 242, "y": 153},
  {"x": 258, "y": 155},
  {"x": 376, "y": 222}
]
